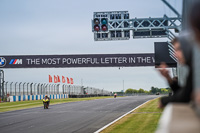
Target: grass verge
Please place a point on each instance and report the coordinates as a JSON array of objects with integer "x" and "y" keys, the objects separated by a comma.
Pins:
[
  {"x": 142, "y": 120},
  {"x": 10, "y": 106}
]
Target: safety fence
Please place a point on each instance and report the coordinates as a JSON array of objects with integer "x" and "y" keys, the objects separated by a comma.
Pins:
[
  {"x": 19, "y": 91},
  {"x": 35, "y": 97}
]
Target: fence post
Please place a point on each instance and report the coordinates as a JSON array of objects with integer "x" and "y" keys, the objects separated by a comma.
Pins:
[
  {"x": 54, "y": 89},
  {"x": 63, "y": 87},
  {"x": 38, "y": 89},
  {"x": 19, "y": 88},
  {"x": 6, "y": 88},
  {"x": 72, "y": 89},
  {"x": 1, "y": 84},
  {"x": 49, "y": 88},
  {"x": 42, "y": 89},
  {"x": 31, "y": 87},
  {"x": 45, "y": 89},
  {"x": 3, "y": 93},
  {"x": 16, "y": 88},
  {"x": 11, "y": 88},
  {"x": 35, "y": 89},
  {"x": 27, "y": 87},
  {"x": 23, "y": 88},
  {"x": 58, "y": 88},
  {"x": 69, "y": 89}
]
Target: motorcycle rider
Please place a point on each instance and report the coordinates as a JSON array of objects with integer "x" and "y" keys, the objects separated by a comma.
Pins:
[
  {"x": 115, "y": 95},
  {"x": 47, "y": 100}
]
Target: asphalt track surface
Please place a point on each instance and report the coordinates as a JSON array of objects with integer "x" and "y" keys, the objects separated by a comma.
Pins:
[{"x": 74, "y": 117}]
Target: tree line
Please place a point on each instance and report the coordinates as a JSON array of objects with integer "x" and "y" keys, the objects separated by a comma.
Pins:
[{"x": 153, "y": 90}]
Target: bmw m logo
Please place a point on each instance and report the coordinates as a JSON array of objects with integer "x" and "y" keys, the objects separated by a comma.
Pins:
[
  {"x": 2, "y": 61},
  {"x": 16, "y": 61}
]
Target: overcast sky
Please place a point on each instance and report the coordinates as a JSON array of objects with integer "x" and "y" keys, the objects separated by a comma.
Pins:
[{"x": 49, "y": 27}]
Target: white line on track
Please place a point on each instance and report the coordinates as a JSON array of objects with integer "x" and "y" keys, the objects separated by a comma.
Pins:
[{"x": 101, "y": 129}]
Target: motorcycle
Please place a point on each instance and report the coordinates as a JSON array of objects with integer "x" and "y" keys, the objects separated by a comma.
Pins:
[{"x": 46, "y": 103}]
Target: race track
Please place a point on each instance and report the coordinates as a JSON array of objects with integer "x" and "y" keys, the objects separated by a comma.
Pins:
[{"x": 74, "y": 117}]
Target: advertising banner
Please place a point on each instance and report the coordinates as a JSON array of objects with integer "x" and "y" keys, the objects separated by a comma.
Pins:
[{"x": 86, "y": 60}]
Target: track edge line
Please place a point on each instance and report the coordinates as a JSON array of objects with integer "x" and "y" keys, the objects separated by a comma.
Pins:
[{"x": 101, "y": 129}]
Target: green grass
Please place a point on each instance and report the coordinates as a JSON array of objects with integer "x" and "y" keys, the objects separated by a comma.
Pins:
[
  {"x": 10, "y": 106},
  {"x": 142, "y": 120}
]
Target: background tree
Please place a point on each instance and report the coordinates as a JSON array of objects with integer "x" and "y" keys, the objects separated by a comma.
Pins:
[
  {"x": 164, "y": 90},
  {"x": 141, "y": 90},
  {"x": 154, "y": 90},
  {"x": 130, "y": 91},
  {"x": 135, "y": 91}
]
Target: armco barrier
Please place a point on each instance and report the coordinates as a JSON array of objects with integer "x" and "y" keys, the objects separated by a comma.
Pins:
[{"x": 36, "y": 97}]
